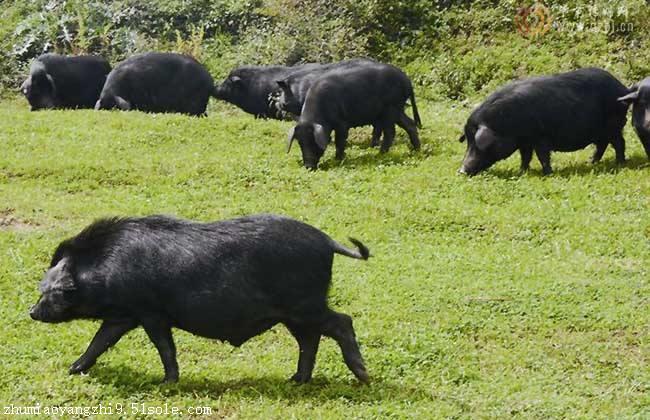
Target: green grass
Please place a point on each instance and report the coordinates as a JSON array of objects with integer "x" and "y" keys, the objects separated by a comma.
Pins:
[{"x": 503, "y": 295}]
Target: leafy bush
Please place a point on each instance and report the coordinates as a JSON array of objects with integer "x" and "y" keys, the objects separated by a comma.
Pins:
[{"x": 452, "y": 48}]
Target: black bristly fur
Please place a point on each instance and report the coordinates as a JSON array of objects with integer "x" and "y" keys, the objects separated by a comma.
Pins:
[
  {"x": 639, "y": 98},
  {"x": 228, "y": 280},
  {"x": 367, "y": 93},
  {"x": 77, "y": 81},
  {"x": 561, "y": 112},
  {"x": 249, "y": 88},
  {"x": 159, "y": 82}
]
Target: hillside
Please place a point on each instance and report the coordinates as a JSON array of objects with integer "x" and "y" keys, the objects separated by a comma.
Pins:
[{"x": 452, "y": 49}]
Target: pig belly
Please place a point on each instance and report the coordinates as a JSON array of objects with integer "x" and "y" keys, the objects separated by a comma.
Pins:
[
  {"x": 235, "y": 332},
  {"x": 234, "y": 322},
  {"x": 571, "y": 145}
]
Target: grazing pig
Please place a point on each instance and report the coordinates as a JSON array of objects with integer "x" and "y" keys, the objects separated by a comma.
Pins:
[
  {"x": 230, "y": 280},
  {"x": 57, "y": 81},
  {"x": 294, "y": 88},
  {"x": 373, "y": 94},
  {"x": 639, "y": 97},
  {"x": 254, "y": 89},
  {"x": 562, "y": 112},
  {"x": 158, "y": 82}
]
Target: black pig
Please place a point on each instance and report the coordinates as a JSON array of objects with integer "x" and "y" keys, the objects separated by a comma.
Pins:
[
  {"x": 562, "y": 112},
  {"x": 254, "y": 88},
  {"x": 158, "y": 82},
  {"x": 346, "y": 97},
  {"x": 57, "y": 81},
  {"x": 228, "y": 280},
  {"x": 639, "y": 96},
  {"x": 295, "y": 86}
]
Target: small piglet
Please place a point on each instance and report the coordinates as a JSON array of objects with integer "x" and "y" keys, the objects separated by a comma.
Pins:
[{"x": 230, "y": 280}]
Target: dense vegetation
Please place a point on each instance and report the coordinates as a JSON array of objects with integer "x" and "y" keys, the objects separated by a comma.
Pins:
[
  {"x": 452, "y": 48},
  {"x": 502, "y": 295}
]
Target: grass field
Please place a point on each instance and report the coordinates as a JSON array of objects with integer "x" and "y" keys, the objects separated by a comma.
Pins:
[{"x": 503, "y": 295}]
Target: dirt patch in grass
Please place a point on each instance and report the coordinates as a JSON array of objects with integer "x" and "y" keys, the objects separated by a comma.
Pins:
[{"x": 8, "y": 221}]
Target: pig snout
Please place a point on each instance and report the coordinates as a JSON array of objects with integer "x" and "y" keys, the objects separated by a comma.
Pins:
[{"x": 34, "y": 313}]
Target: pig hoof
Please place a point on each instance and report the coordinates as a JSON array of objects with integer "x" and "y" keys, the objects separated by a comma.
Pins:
[
  {"x": 170, "y": 380},
  {"x": 300, "y": 379},
  {"x": 77, "y": 368},
  {"x": 362, "y": 376}
]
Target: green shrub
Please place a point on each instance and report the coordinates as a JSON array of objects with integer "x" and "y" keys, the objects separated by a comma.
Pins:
[{"x": 450, "y": 48}]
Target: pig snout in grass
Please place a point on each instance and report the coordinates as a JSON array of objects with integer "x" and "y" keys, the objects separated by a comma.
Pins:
[
  {"x": 562, "y": 112},
  {"x": 65, "y": 82},
  {"x": 366, "y": 93},
  {"x": 229, "y": 280}
]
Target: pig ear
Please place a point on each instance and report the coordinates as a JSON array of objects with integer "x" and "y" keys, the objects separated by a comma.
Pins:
[
  {"x": 58, "y": 277},
  {"x": 122, "y": 103},
  {"x": 484, "y": 137},
  {"x": 23, "y": 87},
  {"x": 630, "y": 98},
  {"x": 321, "y": 137},
  {"x": 290, "y": 136},
  {"x": 51, "y": 82}
]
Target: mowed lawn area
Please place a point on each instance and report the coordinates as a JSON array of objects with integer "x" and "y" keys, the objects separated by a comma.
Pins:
[{"x": 494, "y": 296}]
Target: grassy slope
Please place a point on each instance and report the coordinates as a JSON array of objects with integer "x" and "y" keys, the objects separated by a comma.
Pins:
[{"x": 495, "y": 296}]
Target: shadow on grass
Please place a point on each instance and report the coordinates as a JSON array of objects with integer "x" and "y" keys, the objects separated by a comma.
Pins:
[
  {"x": 581, "y": 169},
  {"x": 127, "y": 382},
  {"x": 392, "y": 158}
]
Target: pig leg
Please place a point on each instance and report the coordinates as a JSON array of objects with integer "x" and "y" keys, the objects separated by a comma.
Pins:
[
  {"x": 308, "y": 341},
  {"x": 411, "y": 129},
  {"x": 389, "y": 137},
  {"x": 339, "y": 327},
  {"x": 543, "y": 153},
  {"x": 619, "y": 147},
  {"x": 108, "y": 334},
  {"x": 599, "y": 152},
  {"x": 376, "y": 134},
  {"x": 645, "y": 141},
  {"x": 160, "y": 333},
  {"x": 526, "y": 156},
  {"x": 340, "y": 139}
]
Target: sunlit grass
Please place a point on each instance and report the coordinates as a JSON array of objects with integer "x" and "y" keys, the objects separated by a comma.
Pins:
[{"x": 496, "y": 296}]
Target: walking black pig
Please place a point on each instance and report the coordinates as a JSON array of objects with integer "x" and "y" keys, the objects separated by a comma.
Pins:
[
  {"x": 57, "y": 81},
  {"x": 254, "y": 89},
  {"x": 562, "y": 112},
  {"x": 640, "y": 98},
  {"x": 228, "y": 280},
  {"x": 373, "y": 94},
  {"x": 158, "y": 82}
]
